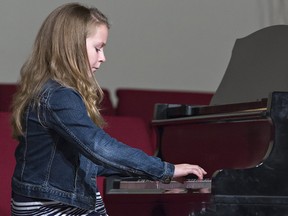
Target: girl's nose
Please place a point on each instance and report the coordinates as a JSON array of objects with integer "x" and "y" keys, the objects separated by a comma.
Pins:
[{"x": 102, "y": 57}]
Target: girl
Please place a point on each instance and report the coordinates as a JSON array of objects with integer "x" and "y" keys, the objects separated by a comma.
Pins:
[{"x": 56, "y": 118}]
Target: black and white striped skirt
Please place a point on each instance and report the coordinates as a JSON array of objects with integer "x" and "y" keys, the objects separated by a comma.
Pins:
[{"x": 25, "y": 206}]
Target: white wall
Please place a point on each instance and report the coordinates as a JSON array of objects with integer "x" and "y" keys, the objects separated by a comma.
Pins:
[{"x": 160, "y": 44}]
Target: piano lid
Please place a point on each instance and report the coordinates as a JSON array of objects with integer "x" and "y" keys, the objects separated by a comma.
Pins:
[{"x": 258, "y": 66}]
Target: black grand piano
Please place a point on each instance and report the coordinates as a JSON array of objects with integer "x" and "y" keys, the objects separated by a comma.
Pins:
[{"x": 241, "y": 139}]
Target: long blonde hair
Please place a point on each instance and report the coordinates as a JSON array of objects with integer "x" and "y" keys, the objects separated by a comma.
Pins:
[{"x": 59, "y": 53}]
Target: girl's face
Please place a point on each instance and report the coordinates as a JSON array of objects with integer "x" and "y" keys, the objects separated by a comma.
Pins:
[{"x": 95, "y": 47}]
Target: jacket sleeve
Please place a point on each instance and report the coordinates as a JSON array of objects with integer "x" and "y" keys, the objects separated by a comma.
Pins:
[{"x": 67, "y": 115}]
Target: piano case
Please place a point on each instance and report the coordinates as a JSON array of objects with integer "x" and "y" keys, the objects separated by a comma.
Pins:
[{"x": 240, "y": 139}]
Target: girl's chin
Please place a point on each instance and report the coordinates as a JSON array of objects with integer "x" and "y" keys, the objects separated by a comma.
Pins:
[{"x": 92, "y": 73}]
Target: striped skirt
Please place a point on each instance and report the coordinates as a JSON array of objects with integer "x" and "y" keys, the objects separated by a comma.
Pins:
[{"x": 25, "y": 206}]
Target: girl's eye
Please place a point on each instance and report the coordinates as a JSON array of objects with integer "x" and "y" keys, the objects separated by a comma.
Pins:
[{"x": 97, "y": 50}]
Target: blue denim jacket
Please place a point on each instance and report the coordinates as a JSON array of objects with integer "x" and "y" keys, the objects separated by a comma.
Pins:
[{"x": 63, "y": 151}]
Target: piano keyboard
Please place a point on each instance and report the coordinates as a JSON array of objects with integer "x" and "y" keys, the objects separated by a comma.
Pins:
[
  {"x": 146, "y": 184},
  {"x": 132, "y": 185}
]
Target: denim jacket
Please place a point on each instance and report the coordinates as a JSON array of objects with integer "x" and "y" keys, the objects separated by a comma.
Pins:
[{"x": 62, "y": 151}]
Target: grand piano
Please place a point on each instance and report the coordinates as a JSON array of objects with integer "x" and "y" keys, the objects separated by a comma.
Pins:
[{"x": 240, "y": 139}]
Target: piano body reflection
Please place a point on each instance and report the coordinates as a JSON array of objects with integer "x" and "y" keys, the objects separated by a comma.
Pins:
[
  {"x": 248, "y": 163},
  {"x": 242, "y": 145}
]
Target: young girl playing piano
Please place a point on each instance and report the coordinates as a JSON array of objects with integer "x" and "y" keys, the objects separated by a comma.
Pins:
[{"x": 62, "y": 146}]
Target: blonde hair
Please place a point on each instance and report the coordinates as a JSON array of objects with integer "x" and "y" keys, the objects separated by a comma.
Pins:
[{"x": 59, "y": 53}]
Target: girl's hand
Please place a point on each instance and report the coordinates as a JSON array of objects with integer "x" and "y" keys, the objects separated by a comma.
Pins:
[{"x": 182, "y": 170}]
